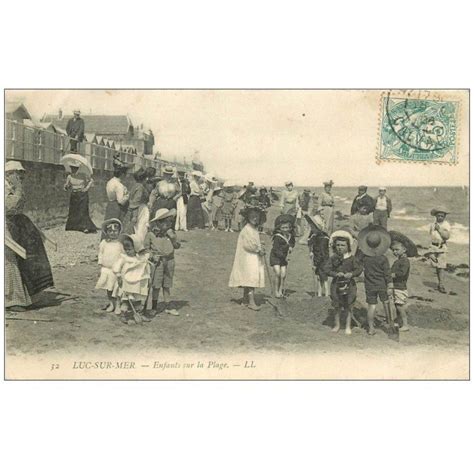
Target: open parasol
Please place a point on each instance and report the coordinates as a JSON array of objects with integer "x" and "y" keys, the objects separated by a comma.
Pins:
[{"x": 74, "y": 159}]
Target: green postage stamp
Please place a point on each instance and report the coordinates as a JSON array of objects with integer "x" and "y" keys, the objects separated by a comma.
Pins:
[{"x": 418, "y": 128}]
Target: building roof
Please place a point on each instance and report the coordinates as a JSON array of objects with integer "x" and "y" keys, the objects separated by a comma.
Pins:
[
  {"x": 12, "y": 107},
  {"x": 98, "y": 124}
]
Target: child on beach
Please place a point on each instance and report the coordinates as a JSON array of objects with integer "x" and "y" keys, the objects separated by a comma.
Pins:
[
  {"x": 160, "y": 243},
  {"x": 228, "y": 207},
  {"x": 374, "y": 241},
  {"x": 110, "y": 250},
  {"x": 439, "y": 233},
  {"x": 216, "y": 208},
  {"x": 282, "y": 243},
  {"x": 342, "y": 266},
  {"x": 402, "y": 247},
  {"x": 318, "y": 244},
  {"x": 248, "y": 270},
  {"x": 133, "y": 272}
]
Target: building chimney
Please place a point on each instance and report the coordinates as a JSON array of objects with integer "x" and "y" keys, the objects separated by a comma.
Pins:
[{"x": 60, "y": 114}]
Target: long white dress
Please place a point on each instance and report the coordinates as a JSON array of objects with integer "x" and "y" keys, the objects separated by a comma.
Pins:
[
  {"x": 248, "y": 269},
  {"x": 109, "y": 253}
]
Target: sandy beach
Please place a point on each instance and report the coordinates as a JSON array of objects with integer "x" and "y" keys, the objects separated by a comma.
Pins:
[{"x": 293, "y": 342}]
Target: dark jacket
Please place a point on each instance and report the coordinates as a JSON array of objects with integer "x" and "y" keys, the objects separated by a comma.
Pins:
[
  {"x": 75, "y": 128},
  {"x": 400, "y": 273},
  {"x": 359, "y": 202}
]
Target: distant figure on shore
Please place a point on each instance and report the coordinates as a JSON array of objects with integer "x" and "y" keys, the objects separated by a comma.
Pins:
[
  {"x": 362, "y": 199},
  {"x": 305, "y": 200},
  {"x": 289, "y": 201},
  {"x": 326, "y": 201},
  {"x": 195, "y": 215},
  {"x": 383, "y": 208},
  {"x": 440, "y": 233},
  {"x": 75, "y": 130}
]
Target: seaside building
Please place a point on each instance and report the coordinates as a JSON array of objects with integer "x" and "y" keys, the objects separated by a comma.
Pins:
[{"x": 118, "y": 129}]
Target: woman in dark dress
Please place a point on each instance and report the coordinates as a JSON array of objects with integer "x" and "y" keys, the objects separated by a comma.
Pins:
[{"x": 79, "y": 218}]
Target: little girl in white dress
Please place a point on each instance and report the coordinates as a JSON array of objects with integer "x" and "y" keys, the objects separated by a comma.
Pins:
[{"x": 110, "y": 250}]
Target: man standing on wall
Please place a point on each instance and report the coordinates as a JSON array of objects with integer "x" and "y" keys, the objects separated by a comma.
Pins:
[{"x": 75, "y": 130}]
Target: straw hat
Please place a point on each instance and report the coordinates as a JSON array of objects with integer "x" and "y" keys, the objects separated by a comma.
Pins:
[
  {"x": 109, "y": 222},
  {"x": 341, "y": 234},
  {"x": 168, "y": 170},
  {"x": 316, "y": 221},
  {"x": 288, "y": 183},
  {"x": 217, "y": 189},
  {"x": 13, "y": 166},
  {"x": 395, "y": 236},
  {"x": 163, "y": 213},
  {"x": 328, "y": 183},
  {"x": 374, "y": 240},
  {"x": 438, "y": 210}
]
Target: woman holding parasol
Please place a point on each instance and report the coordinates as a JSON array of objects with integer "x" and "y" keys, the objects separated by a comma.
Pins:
[{"x": 78, "y": 181}]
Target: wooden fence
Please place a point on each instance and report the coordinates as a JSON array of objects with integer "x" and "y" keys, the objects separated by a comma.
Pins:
[{"x": 37, "y": 144}]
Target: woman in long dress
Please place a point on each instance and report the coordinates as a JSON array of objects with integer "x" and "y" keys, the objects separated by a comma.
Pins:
[
  {"x": 79, "y": 218},
  {"x": 117, "y": 194},
  {"x": 24, "y": 278},
  {"x": 195, "y": 215},
  {"x": 326, "y": 201},
  {"x": 289, "y": 201}
]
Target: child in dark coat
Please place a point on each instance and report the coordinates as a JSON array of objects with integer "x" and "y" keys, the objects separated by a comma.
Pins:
[
  {"x": 283, "y": 242},
  {"x": 374, "y": 241},
  {"x": 343, "y": 267},
  {"x": 318, "y": 243}
]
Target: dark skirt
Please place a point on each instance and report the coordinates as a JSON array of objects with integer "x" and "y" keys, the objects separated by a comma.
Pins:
[
  {"x": 78, "y": 218},
  {"x": 35, "y": 270},
  {"x": 195, "y": 214},
  {"x": 114, "y": 210},
  {"x": 277, "y": 260}
]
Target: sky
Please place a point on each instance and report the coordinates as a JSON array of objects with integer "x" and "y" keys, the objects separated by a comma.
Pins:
[{"x": 264, "y": 136}]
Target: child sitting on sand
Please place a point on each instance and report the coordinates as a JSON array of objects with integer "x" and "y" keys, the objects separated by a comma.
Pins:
[
  {"x": 248, "y": 270},
  {"x": 161, "y": 242},
  {"x": 402, "y": 247},
  {"x": 374, "y": 241},
  {"x": 342, "y": 267},
  {"x": 283, "y": 242},
  {"x": 133, "y": 272},
  {"x": 110, "y": 250},
  {"x": 318, "y": 244}
]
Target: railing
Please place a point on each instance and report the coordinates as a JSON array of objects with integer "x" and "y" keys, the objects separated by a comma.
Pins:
[{"x": 28, "y": 143}]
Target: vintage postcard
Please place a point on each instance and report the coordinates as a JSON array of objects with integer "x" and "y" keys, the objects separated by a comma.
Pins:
[{"x": 236, "y": 234}]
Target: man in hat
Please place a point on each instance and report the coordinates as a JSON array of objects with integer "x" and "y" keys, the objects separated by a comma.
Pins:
[
  {"x": 362, "y": 199},
  {"x": 439, "y": 233},
  {"x": 75, "y": 130},
  {"x": 374, "y": 241},
  {"x": 383, "y": 208}
]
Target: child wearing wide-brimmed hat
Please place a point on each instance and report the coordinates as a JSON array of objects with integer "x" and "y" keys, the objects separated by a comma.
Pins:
[
  {"x": 248, "y": 270},
  {"x": 342, "y": 266},
  {"x": 110, "y": 250},
  {"x": 283, "y": 241},
  {"x": 402, "y": 247},
  {"x": 373, "y": 242},
  {"x": 318, "y": 244},
  {"x": 439, "y": 233},
  {"x": 160, "y": 243}
]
